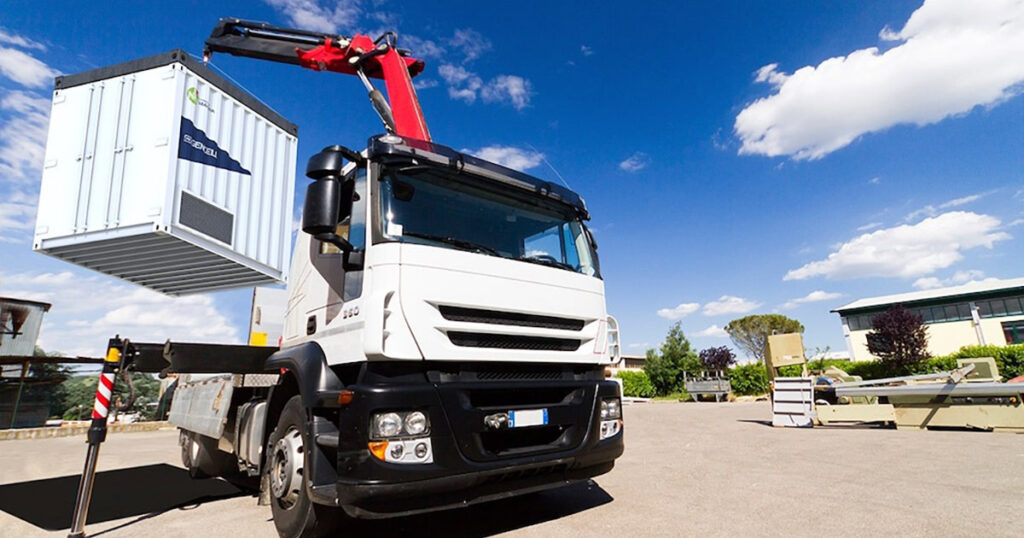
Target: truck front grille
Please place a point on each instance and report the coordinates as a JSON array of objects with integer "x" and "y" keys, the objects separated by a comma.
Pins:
[
  {"x": 512, "y": 341},
  {"x": 569, "y": 405},
  {"x": 496, "y": 317}
]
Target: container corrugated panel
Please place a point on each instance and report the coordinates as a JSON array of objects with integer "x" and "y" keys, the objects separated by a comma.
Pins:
[{"x": 160, "y": 172}]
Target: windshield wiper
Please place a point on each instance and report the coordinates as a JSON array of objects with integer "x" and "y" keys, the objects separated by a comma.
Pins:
[
  {"x": 461, "y": 243},
  {"x": 550, "y": 262}
]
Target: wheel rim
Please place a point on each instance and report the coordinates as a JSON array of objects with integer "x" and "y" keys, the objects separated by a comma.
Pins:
[{"x": 286, "y": 468}]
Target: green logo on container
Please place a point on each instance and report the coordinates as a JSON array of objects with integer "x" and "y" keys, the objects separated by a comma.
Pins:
[{"x": 193, "y": 96}]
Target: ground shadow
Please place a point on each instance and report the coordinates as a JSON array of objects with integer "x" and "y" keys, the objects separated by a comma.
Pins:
[
  {"x": 490, "y": 518},
  {"x": 753, "y": 421},
  {"x": 136, "y": 491}
]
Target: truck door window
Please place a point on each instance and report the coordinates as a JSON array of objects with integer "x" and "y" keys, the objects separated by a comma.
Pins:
[{"x": 352, "y": 228}]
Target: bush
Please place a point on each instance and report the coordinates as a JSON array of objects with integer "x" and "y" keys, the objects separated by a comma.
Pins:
[
  {"x": 748, "y": 379},
  {"x": 636, "y": 384},
  {"x": 715, "y": 359},
  {"x": 1009, "y": 359},
  {"x": 899, "y": 338}
]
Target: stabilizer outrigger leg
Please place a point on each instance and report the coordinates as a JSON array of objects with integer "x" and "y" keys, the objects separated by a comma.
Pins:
[{"x": 117, "y": 350}]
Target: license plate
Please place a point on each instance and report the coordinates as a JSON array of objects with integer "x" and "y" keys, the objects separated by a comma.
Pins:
[{"x": 529, "y": 417}]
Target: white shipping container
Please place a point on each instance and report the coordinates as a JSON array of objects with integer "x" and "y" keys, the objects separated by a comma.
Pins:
[{"x": 160, "y": 172}]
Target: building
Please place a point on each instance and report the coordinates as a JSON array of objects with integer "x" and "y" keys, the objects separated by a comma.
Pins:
[
  {"x": 979, "y": 313},
  {"x": 628, "y": 363}
]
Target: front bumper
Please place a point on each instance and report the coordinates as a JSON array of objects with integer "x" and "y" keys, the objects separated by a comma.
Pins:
[{"x": 471, "y": 462}]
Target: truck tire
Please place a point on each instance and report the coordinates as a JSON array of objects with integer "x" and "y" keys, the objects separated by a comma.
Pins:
[
  {"x": 192, "y": 454},
  {"x": 199, "y": 454},
  {"x": 295, "y": 515}
]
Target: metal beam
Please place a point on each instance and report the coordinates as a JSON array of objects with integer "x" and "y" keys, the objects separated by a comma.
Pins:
[{"x": 937, "y": 389}]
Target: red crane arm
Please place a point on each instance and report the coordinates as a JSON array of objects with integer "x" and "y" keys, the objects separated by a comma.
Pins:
[{"x": 379, "y": 59}]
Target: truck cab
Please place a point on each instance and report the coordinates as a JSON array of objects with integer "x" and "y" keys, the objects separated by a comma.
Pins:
[{"x": 446, "y": 333}]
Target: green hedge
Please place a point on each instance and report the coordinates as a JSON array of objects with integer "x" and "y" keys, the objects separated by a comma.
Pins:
[
  {"x": 752, "y": 379},
  {"x": 748, "y": 379},
  {"x": 636, "y": 384},
  {"x": 1009, "y": 359}
]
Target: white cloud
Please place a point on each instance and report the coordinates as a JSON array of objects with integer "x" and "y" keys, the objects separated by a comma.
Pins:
[
  {"x": 927, "y": 283},
  {"x": 813, "y": 297},
  {"x": 931, "y": 210},
  {"x": 17, "y": 216},
  {"x": 25, "y": 69},
  {"x": 509, "y": 156},
  {"x": 465, "y": 85},
  {"x": 875, "y": 180},
  {"x": 680, "y": 311},
  {"x": 79, "y": 324},
  {"x": 950, "y": 57},
  {"x": 340, "y": 18},
  {"x": 958, "y": 278},
  {"x": 20, "y": 41},
  {"x": 510, "y": 89},
  {"x": 713, "y": 331},
  {"x": 424, "y": 83},
  {"x": 470, "y": 43},
  {"x": 956, "y": 202},
  {"x": 635, "y": 162},
  {"x": 586, "y": 51},
  {"x": 421, "y": 48},
  {"x": 869, "y": 226},
  {"x": 462, "y": 83},
  {"x": 729, "y": 304},
  {"x": 23, "y": 136},
  {"x": 22, "y": 147},
  {"x": 908, "y": 250}
]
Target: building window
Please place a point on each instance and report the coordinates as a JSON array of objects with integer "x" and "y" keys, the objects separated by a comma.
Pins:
[
  {"x": 1014, "y": 332},
  {"x": 1009, "y": 306}
]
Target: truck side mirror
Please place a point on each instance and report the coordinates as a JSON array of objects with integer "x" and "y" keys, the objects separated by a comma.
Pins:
[
  {"x": 328, "y": 198},
  {"x": 323, "y": 210}
]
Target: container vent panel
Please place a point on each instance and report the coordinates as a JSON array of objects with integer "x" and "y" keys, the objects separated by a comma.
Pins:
[{"x": 207, "y": 218}]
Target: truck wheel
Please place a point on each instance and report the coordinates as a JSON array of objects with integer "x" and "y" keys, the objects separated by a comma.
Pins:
[{"x": 294, "y": 513}]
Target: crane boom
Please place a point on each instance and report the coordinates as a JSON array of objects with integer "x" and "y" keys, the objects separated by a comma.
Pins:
[{"x": 358, "y": 55}]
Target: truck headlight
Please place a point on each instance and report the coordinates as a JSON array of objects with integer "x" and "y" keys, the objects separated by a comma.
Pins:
[
  {"x": 401, "y": 437},
  {"x": 399, "y": 424},
  {"x": 610, "y": 409},
  {"x": 387, "y": 425},
  {"x": 415, "y": 423},
  {"x": 611, "y": 417}
]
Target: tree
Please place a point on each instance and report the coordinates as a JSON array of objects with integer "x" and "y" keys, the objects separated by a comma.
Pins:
[
  {"x": 751, "y": 333},
  {"x": 81, "y": 394},
  {"x": 717, "y": 358},
  {"x": 48, "y": 385},
  {"x": 899, "y": 338},
  {"x": 676, "y": 356}
]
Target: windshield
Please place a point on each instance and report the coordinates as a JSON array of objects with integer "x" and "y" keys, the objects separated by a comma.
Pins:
[{"x": 418, "y": 205}]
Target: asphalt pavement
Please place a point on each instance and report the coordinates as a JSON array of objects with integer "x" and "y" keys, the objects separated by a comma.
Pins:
[{"x": 694, "y": 469}]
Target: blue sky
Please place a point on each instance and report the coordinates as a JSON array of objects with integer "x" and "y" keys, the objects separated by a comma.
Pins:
[{"x": 737, "y": 157}]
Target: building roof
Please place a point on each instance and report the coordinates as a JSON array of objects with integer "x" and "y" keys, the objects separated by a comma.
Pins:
[
  {"x": 965, "y": 291},
  {"x": 15, "y": 301}
]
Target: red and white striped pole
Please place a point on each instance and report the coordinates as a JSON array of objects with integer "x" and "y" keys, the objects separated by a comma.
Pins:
[
  {"x": 103, "y": 394},
  {"x": 97, "y": 433}
]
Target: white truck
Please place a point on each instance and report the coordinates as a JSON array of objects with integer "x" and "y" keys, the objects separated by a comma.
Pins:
[{"x": 445, "y": 336}]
